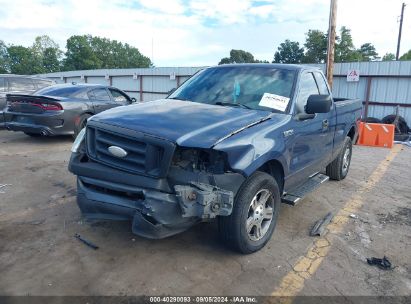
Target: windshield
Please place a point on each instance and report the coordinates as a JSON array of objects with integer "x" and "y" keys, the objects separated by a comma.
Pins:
[
  {"x": 65, "y": 91},
  {"x": 242, "y": 86}
]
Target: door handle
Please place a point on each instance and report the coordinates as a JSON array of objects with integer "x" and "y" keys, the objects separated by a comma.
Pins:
[{"x": 325, "y": 124}]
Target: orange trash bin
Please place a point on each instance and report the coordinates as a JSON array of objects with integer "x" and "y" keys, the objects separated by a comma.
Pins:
[{"x": 376, "y": 135}]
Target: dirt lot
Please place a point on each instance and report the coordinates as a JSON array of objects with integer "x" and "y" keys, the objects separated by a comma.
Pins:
[{"x": 40, "y": 256}]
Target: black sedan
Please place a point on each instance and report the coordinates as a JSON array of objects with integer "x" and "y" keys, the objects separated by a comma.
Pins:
[{"x": 60, "y": 109}]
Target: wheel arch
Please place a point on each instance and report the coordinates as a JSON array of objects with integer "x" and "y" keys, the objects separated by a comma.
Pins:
[
  {"x": 274, "y": 168},
  {"x": 351, "y": 133},
  {"x": 78, "y": 117}
]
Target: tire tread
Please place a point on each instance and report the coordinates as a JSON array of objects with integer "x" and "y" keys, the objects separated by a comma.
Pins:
[
  {"x": 229, "y": 226},
  {"x": 334, "y": 169}
]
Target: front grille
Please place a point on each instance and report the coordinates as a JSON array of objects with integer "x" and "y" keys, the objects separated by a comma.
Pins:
[{"x": 145, "y": 155}]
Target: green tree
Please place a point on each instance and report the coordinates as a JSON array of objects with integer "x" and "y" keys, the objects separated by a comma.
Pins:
[
  {"x": 238, "y": 56},
  {"x": 88, "y": 52},
  {"x": 48, "y": 52},
  {"x": 126, "y": 56},
  {"x": 368, "y": 52},
  {"x": 315, "y": 47},
  {"x": 406, "y": 56},
  {"x": 344, "y": 49},
  {"x": 41, "y": 43},
  {"x": 289, "y": 52},
  {"x": 388, "y": 57},
  {"x": 51, "y": 60},
  {"x": 80, "y": 55},
  {"x": 4, "y": 60},
  {"x": 22, "y": 60}
]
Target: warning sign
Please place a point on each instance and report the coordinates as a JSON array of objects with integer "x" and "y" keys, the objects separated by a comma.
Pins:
[{"x": 353, "y": 75}]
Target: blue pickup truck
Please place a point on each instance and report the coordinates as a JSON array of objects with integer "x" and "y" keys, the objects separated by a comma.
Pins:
[{"x": 231, "y": 143}]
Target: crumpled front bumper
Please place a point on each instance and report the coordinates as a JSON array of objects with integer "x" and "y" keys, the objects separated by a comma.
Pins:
[{"x": 153, "y": 214}]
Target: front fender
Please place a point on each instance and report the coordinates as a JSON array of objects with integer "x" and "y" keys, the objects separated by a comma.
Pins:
[
  {"x": 246, "y": 157},
  {"x": 250, "y": 149}
]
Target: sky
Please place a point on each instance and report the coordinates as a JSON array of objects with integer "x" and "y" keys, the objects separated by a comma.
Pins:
[{"x": 201, "y": 32}]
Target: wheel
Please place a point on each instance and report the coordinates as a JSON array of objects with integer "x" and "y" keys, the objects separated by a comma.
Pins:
[
  {"x": 252, "y": 222},
  {"x": 338, "y": 169},
  {"x": 32, "y": 134},
  {"x": 402, "y": 124},
  {"x": 81, "y": 124}
]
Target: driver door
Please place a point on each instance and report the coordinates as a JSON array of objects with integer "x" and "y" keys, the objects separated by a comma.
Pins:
[{"x": 312, "y": 140}]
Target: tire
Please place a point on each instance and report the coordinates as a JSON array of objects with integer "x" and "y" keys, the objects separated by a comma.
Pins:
[
  {"x": 402, "y": 124},
  {"x": 401, "y": 137},
  {"x": 81, "y": 124},
  {"x": 233, "y": 228},
  {"x": 32, "y": 134},
  {"x": 338, "y": 168},
  {"x": 372, "y": 120}
]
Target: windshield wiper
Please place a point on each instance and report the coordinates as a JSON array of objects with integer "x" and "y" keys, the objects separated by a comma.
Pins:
[{"x": 219, "y": 103}]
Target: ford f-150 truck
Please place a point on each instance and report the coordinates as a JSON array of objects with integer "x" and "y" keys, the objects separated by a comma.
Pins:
[{"x": 231, "y": 143}]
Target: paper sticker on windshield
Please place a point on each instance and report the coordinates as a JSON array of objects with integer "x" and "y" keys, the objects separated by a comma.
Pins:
[{"x": 273, "y": 101}]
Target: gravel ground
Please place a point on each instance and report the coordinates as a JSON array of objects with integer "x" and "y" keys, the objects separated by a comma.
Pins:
[{"x": 40, "y": 256}]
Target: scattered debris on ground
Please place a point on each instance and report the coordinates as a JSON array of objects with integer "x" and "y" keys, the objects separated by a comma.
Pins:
[
  {"x": 319, "y": 226},
  {"x": 3, "y": 186},
  {"x": 88, "y": 243},
  {"x": 401, "y": 217},
  {"x": 383, "y": 263}
]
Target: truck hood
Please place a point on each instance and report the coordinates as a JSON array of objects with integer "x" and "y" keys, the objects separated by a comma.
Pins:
[{"x": 186, "y": 123}]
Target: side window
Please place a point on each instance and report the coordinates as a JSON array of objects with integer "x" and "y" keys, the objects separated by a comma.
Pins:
[
  {"x": 82, "y": 95},
  {"x": 322, "y": 85},
  {"x": 118, "y": 96},
  {"x": 21, "y": 84},
  {"x": 308, "y": 87},
  {"x": 2, "y": 85},
  {"x": 99, "y": 94}
]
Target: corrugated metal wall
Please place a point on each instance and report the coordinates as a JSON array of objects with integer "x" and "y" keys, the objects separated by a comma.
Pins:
[
  {"x": 382, "y": 85},
  {"x": 142, "y": 84}
]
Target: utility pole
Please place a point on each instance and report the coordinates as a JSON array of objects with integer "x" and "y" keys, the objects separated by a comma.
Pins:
[
  {"x": 400, "y": 32},
  {"x": 331, "y": 42}
]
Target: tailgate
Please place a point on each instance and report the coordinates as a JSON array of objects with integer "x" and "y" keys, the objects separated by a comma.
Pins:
[{"x": 32, "y": 104}]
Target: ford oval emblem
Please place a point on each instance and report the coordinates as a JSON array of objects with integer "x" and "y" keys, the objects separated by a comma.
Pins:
[{"x": 117, "y": 151}]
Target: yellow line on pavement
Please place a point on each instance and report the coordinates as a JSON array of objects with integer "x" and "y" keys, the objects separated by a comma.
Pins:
[{"x": 307, "y": 265}]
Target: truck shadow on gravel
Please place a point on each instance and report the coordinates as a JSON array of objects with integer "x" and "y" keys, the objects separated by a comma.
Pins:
[{"x": 202, "y": 237}]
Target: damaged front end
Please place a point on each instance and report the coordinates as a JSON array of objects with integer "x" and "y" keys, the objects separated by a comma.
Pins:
[
  {"x": 203, "y": 183},
  {"x": 196, "y": 186}
]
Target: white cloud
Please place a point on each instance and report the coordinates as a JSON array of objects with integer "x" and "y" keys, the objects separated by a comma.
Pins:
[
  {"x": 169, "y": 6},
  {"x": 200, "y": 32},
  {"x": 376, "y": 22}
]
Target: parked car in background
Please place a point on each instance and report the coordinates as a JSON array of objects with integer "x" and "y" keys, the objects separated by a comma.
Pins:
[
  {"x": 10, "y": 84},
  {"x": 231, "y": 143},
  {"x": 60, "y": 109}
]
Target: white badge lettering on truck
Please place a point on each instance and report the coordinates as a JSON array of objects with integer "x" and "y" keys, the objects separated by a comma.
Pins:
[{"x": 273, "y": 101}]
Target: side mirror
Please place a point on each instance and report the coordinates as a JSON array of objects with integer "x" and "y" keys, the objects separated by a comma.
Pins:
[
  {"x": 318, "y": 104},
  {"x": 133, "y": 100}
]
